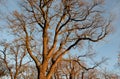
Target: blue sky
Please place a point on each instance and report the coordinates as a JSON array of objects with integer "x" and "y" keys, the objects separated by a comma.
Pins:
[{"x": 110, "y": 46}]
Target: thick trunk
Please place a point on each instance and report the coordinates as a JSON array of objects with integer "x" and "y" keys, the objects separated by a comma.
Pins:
[
  {"x": 41, "y": 73},
  {"x": 41, "y": 76}
]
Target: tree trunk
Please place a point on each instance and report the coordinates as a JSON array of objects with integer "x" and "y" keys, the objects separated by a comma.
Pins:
[
  {"x": 70, "y": 76},
  {"x": 41, "y": 76},
  {"x": 41, "y": 73}
]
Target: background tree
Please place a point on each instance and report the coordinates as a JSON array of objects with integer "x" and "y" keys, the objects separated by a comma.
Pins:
[
  {"x": 3, "y": 69},
  {"x": 49, "y": 29},
  {"x": 75, "y": 68},
  {"x": 12, "y": 57}
]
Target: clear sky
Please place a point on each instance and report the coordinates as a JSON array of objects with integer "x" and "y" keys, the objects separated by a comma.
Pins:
[{"x": 110, "y": 46}]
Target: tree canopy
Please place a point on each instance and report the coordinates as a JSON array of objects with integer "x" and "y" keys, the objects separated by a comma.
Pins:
[{"x": 48, "y": 29}]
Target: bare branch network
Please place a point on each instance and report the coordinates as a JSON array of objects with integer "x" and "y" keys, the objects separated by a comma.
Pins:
[{"x": 48, "y": 29}]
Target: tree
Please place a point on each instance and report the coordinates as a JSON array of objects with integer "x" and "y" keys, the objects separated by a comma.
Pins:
[
  {"x": 51, "y": 28},
  {"x": 12, "y": 57},
  {"x": 68, "y": 69},
  {"x": 3, "y": 69},
  {"x": 75, "y": 68},
  {"x": 108, "y": 75}
]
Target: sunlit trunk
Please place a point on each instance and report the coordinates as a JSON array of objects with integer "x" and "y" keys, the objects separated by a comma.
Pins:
[
  {"x": 41, "y": 76},
  {"x": 41, "y": 73}
]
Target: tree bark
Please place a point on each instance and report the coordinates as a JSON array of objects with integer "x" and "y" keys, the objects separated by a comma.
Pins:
[{"x": 41, "y": 73}]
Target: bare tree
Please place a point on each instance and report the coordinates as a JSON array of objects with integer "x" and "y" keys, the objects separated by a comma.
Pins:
[
  {"x": 51, "y": 28},
  {"x": 3, "y": 69},
  {"x": 12, "y": 57},
  {"x": 68, "y": 69},
  {"x": 108, "y": 75},
  {"x": 75, "y": 68}
]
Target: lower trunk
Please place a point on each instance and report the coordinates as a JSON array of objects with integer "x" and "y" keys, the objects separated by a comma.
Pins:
[
  {"x": 41, "y": 73},
  {"x": 41, "y": 76}
]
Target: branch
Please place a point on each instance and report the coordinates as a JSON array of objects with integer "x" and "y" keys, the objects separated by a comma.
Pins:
[
  {"x": 5, "y": 61},
  {"x": 89, "y": 11},
  {"x": 87, "y": 69},
  {"x": 78, "y": 28},
  {"x": 57, "y": 33},
  {"x": 34, "y": 14},
  {"x": 78, "y": 40},
  {"x": 86, "y": 55},
  {"x": 29, "y": 49},
  {"x": 21, "y": 59},
  {"x": 3, "y": 51},
  {"x": 64, "y": 23},
  {"x": 46, "y": 3}
]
